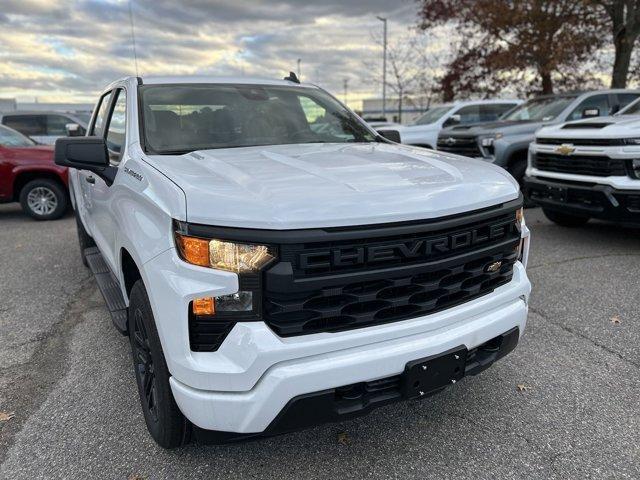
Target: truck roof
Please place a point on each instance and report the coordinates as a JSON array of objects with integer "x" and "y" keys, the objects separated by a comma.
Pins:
[{"x": 203, "y": 79}]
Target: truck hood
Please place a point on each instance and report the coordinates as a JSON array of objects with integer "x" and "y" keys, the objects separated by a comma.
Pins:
[
  {"x": 511, "y": 127},
  {"x": 328, "y": 185},
  {"x": 600, "y": 127}
]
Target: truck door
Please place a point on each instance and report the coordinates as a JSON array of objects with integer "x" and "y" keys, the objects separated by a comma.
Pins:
[
  {"x": 104, "y": 220},
  {"x": 86, "y": 181}
]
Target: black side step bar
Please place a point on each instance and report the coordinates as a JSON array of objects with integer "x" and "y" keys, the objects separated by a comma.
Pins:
[{"x": 109, "y": 287}]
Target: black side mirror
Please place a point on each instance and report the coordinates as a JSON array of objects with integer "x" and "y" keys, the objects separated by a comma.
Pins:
[
  {"x": 85, "y": 153},
  {"x": 393, "y": 135},
  {"x": 591, "y": 112}
]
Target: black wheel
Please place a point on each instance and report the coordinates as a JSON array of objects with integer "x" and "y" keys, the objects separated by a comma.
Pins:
[
  {"x": 43, "y": 199},
  {"x": 165, "y": 422},
  {"x": 565, "y": 219},
  {"x": 84, "y": 239}
]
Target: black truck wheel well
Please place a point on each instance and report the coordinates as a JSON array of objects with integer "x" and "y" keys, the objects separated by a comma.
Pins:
[{"x": 130, "y": 271}]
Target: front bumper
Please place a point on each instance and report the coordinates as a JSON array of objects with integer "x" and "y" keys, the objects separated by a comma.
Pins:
[
  {"x": 349, "y": 401},
  {"x": 602, "y": 201},
  {"x": 257, "y": 374}
]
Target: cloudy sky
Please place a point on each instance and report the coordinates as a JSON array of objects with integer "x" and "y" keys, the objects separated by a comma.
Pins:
[{"x": 66, "y": 51}]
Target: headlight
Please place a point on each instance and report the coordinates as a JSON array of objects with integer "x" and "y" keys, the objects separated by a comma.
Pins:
[
  {"x": 519, "y": 225},
  {"x": 487, "y": 142},
  {"x": 223, "y": 254}
]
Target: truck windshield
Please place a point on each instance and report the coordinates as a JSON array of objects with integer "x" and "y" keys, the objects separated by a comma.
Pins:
[
  {"x": 540, "y": 109},
  {"x": 11, "y": 138},
  {"x": 182, "y": 118},
  {"x": 632, "y": 109},
  {"x": 432, "y": 115}
]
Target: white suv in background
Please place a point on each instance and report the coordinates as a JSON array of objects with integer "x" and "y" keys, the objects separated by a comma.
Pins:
[
  {"x": 588, "y": 169},
  {"x": 424, "y": 132}
]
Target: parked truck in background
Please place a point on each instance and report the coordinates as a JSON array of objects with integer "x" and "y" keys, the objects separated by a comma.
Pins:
[
  {"x": 588, "y": 169},
  {"x": 506, "y": 141},
  {"x": 277, "y": 264},
  {"x": 424, "y": 132},
  {"x": 28, "y": 175}
]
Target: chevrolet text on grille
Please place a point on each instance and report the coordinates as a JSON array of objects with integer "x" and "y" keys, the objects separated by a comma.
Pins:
[{"x": 422, "y": 247}]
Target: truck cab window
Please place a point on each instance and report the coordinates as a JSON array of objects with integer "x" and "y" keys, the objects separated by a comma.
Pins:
[
  {"x": 116, "y": 129},
  {"x": 98, "y": 126}
]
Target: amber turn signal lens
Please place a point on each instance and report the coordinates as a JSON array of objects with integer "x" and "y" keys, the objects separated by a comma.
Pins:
[
  {"x": 204, "y": 306},
  {"x": 194, "y": 250}
]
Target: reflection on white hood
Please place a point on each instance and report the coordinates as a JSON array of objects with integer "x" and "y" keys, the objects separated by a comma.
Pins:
[{"x": 326, "y": 185}]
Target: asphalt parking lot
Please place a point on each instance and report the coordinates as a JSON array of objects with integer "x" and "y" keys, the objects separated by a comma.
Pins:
[{"x": 565, "y": 404}]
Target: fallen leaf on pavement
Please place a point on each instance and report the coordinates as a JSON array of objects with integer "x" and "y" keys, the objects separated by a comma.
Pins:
[
  {"x": 6, "y": 416},
  {"x": 616, "y": 320},
  {"x": 135, "y": 476},
  {"x": 523, "y": 388},
  {"x": 343, "y": 438}
]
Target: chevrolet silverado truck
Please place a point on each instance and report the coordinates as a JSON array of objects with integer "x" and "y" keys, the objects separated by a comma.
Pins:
[
  {"x": 424, "y": 131},
  {"x": 506, "y": 141},
  {"x": 588, "y": 169},
  {"x": 276, "y": 263},
  {"x": 28, "y": 175}
]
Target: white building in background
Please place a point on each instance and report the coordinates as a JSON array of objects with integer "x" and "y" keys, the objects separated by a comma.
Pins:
[
  {"x": 8, "y": 104},
  {"x": 412, "y": 108},
  {"x": 11, "y": 105}
]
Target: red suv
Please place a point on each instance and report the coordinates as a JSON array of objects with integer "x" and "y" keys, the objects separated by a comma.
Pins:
[{"x": 29, "y": 176}]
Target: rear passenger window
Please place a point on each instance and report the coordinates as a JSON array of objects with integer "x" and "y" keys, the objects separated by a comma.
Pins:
[
  {"x": 30, "y": 125},
  {"x": 101, "y": 116}
]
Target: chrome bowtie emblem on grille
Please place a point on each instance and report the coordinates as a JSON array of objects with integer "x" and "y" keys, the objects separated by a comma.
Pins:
[
  {"x": 450, "y": 140},
  {"x": 565, "y": 149},
  {"x": 493, "y": 267}
]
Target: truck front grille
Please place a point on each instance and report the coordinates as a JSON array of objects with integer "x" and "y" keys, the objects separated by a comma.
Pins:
[
  {"x": 466, "y": 146},
  {"x": 586, "y": 142},
  {"x": 598, "y": 166},
  {"x": 380, "y": 276}
]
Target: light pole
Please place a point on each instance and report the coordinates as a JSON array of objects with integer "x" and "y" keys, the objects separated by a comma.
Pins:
[
  {"x": 384, "y": 67},
  {"x": 299, "y": 74},
  {"x": 346, "y": 87}
]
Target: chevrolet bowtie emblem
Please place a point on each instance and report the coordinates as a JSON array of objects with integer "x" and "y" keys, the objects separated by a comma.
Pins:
[
  {"x": 493, "y": 267},
  {"x": 565, "y": 149}
]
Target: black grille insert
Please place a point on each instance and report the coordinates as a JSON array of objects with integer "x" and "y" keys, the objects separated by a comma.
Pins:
[
  {"x": 587, "y": 142},
  {"x": 466, "y": 146},
  {"x": 313, "y": 289},
  {"x": 598, "y": 166}
]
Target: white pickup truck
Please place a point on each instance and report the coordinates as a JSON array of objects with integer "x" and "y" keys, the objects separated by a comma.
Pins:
[
  {"x": 588, "y": 169},
  {"x": 276, "y": 263}
]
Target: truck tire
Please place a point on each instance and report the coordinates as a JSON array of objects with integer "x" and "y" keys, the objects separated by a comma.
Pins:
[
  {"x": 44, "y": 199},
  {"x": 165, "y": 422},
  {"x": 565, "y": 219},
  {"x": 84, "y": 239}
]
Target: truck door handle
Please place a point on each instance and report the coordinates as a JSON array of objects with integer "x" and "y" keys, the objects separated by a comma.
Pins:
[{"x": 90, "y": 179}]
